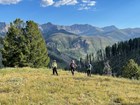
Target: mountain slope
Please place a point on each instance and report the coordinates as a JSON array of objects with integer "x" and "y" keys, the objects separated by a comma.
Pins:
[
  {"x": 23, "y": 86},
  {"x": 73, "y": 46},
  {"x": 89, "y": 30},
  {"x": 75, "y": 41}
]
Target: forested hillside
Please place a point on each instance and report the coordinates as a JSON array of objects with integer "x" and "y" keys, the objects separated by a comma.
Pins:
[
  {"x": 122, "y": 52},
  {"x": 119, "y": 55}
]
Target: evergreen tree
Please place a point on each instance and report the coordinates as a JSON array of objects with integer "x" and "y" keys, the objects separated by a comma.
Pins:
[
  {"x": 87, "y": 58},
  {"x": 108, "y": 51},
  {"x": 93, "y": 58},
  {"x": 131, "y": 70},
  {"x": 38, "y": 56},
  {"x": 119, "y": 48},
  {"x": 100, "y": 55},
  {"x": 82, "y": 64},
  {"x": 90, "y": 58},
  {"x": 114, "y": 49},
  {"x": 24, "y": 46},
  {"x": 11, "y": 52}
]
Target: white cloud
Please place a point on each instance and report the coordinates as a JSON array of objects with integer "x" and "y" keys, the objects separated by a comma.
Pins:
[
  {"x": 46, "y": 3},
  {"x": 65, "y": 2},
  {"x": 84, "y": 8},
  {"x": 83, "y": 4},
  {"x": 84, "y": 1},
  {"x": 87, "y": 4},
  {"x": 8, "y": 2},
  {"x": 91, "y": 3}
]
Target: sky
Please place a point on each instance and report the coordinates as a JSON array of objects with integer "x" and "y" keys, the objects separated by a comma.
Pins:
[{"x": 100, "y": 13}]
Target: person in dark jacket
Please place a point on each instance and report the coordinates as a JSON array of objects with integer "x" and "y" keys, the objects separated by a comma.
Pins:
[
  {"x": 89, "y": 67},
  {"x": 73, "y": 66}
]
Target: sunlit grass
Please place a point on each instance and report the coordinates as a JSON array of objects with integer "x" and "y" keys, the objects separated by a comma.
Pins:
[{"x": 29, "y": 86}]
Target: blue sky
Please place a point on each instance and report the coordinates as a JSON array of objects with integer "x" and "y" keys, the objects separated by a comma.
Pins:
[{"x": 121, "y": 13}]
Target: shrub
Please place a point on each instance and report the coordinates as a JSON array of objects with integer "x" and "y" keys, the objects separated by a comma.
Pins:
[{"x": 131, "y": 70}]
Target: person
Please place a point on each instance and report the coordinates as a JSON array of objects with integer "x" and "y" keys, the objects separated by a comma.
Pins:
[
  {"x": 72, "y": 66},
  {"x": 107, "y": 69},
  {"x": 54, "y": 67},
  {"x": 89, "y": 67}
]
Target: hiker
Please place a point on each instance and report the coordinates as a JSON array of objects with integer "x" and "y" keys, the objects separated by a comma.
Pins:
[
  {"x": 107, "y": 68},
  {"x": 88, "y": 67},
  {"x": 54, "y": 67},
  {"x": 72, "y": 66}
]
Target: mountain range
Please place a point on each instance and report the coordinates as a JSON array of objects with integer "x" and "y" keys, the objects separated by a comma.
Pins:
[{"x": 75, "y": 41}]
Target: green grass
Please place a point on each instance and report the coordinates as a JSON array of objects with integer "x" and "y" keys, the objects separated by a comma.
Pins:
[{"x": 28, "y": 86}]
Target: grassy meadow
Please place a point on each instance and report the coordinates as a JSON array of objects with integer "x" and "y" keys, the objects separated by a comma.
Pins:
[{"x": 29, "y": 86}]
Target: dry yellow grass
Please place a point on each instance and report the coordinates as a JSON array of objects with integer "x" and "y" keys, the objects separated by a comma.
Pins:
[{"x": 28, "y": 86}]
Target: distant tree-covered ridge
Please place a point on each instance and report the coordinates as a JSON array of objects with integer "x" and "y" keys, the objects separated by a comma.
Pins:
[
  {"x": 123, "y": 48},
  {"x": 120, "y": 53},
  {"x": 24, "y": 45},
  {"x": 123, "y": 57}
]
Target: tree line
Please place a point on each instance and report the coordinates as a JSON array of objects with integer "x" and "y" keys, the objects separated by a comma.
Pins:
[
  {"x": 122, "y": 48},
  {"x": 120, "y": 55}
]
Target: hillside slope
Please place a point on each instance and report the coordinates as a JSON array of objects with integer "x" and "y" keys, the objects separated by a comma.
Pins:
[
  {"x": 24, "y": 86},
  {"x": 77, "y": 46},
  {"x": 75, "y": 41}
]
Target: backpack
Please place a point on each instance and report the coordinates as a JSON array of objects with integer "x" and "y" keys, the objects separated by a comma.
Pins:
[
  {"x": 89, "y": 67},
  {"x": 54, "y": 64},
  {"x": 72, "y": 65}
]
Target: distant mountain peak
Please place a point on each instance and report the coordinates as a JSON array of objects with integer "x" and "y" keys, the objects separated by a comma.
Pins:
[
  {"x": 110, "y": 28},
  {"x": 82, "y": 25},
  {"x": 79, "y": 29},
  {"x": 49, "y": 23}
]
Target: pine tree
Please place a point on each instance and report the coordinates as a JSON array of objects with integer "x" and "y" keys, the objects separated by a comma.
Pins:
[
  {"x": 87, "y": 58},
  {"x": 90, "y": 58},
  {"x": 114, "y": 49},
  {"x": 24, "y": 46},
  {"x": 108, "y": 51},
  {"x": 100, "y": 55},
  {"x": 131, "y": 70},
  {"x": 12, "y": 54},
  {"x": 38, "y": 50}
]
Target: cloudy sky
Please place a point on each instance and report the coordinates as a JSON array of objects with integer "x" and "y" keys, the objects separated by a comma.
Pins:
[{"x": 122, "y": 13}]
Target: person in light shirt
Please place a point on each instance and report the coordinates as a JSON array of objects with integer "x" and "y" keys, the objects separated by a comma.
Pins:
[{"x": 54, "y": 67}]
